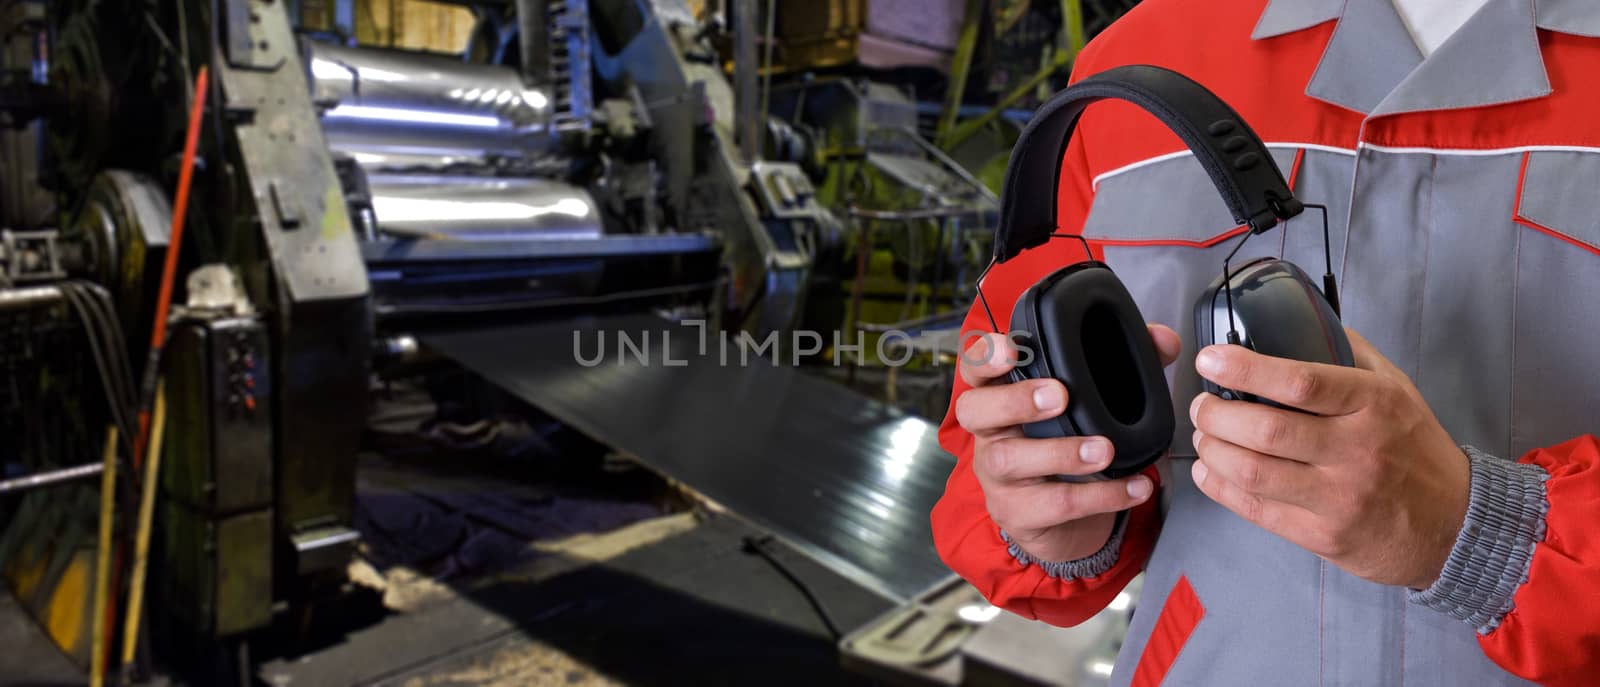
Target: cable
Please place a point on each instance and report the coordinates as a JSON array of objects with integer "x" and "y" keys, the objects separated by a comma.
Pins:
[
  {"x": 97, "y": 303},
  {"x": 116, "y": 405},
  {"x": 117, "y": 336},
  {"x": 757, "y": 546}
]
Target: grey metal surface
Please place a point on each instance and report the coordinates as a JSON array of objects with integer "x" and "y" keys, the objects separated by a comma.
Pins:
[
  {"x": 482, "y": 208},
  {"x": 406, "y": 250},
  {"x": 847, "y": 479},
  {"x": 677, "y": 75},
  {"x": 311, "y": 273},
  {"x": 533, "y": 36},
  {"x": 29, "y": 297},
  {"x": 30, "y": 658},
  {"x": 747, "y": 100},
  {"x": 50, "y": 477},
  {"x": 923, "y": 176},
  {"x": 993, "y": 647},
  {"x": 385, "y": 102}
]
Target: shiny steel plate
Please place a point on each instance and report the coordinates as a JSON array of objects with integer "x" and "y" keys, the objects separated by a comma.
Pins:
[{"x": 844, "y": 478}]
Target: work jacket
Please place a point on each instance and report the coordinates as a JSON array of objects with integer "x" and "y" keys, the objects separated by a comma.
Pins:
[{"x": 1463, "y": 194}]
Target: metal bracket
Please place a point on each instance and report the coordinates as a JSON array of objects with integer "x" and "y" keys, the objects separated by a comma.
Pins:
[
  {"x": 324, "y": 548},
  {"x": 27, "y": 256},
  {"x": 217, "y": 287},
  {"x": 242, "y": 42}
]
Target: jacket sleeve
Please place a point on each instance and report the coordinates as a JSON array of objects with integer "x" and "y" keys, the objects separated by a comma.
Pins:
[
  {"x": 1064, "y": 592},
  {"x": 1525, "y": 569}
]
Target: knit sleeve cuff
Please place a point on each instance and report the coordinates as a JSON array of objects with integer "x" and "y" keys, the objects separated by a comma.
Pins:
[
  {"x": 1491, "y": 555},
  {"x": 1093, "y": 565}
]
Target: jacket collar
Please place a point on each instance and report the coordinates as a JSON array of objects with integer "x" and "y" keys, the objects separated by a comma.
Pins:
[{"x": 1371, "y": 64}]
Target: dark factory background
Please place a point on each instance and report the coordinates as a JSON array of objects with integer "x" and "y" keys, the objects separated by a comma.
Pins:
[{"x": 502, "y": 341}]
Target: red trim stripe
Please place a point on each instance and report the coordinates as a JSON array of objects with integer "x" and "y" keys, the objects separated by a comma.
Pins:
[
  {"x": 1294, "y": 173},
  {"x": 1516, "y": 214},
  {"x": 1207, "y": 243},
  {"x": 1179, "y": 615}
]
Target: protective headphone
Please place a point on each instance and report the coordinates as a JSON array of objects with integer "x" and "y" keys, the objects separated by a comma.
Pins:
[{"x": 1084, "y": 327}]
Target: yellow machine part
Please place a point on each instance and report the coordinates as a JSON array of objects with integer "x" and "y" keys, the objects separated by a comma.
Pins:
[{"x": 50, "y": 566}]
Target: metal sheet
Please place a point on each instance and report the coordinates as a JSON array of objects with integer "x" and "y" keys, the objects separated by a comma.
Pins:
[
  {"x": 845, "y": 478},
  {"x": 397, "y": 102},
  {"x": 482, "y": 208},
  {"x": 388, "y": 252}
]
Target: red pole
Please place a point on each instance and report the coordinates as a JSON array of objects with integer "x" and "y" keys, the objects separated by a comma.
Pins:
[
  {"x": 158, "y": 330},
  {"x": 169, "y": 271}
]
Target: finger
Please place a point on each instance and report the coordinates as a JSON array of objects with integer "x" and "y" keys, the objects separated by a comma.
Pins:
[
  {"x": 1168, "y": 343},
  {"x": 988, "y": 408},
  {"x": 1312, "y": 387},
  {"x": 1021, "y": 459},
  {"x": 1049, "y": 504},
  {"x": 988, "y": 359},
  {"x": 1253, "y": 472},
  {"x": 1279, "y": 518},
  {"x": 1273, "y": 431}
]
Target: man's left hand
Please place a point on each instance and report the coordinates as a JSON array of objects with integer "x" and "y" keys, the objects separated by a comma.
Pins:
[{"x": 1371, "y": 482}]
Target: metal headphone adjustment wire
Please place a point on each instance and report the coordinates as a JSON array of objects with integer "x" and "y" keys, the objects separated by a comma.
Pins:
[
  {"x": 1330, "y": 287},
  {"x": 1087, "y": 251}
]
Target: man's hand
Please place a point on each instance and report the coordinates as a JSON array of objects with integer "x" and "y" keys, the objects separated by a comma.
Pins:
[
  {"x": 1371, "y": 483},
  {"x": 1050, "y": 519}
]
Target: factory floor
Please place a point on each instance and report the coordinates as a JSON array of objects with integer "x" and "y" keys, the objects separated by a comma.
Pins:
[
  {"x": 668, "y": 598},
  {"x": 495, "y": 556}
]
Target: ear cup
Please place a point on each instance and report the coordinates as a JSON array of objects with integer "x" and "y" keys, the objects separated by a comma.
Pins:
[
  {"x": 1278, "y": 311},
  {"x": 1083, "y": 328}
]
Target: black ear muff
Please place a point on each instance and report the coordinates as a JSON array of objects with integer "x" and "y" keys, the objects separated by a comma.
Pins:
[
  {"x": 1083, "y": 328},
  {"x": 1080, "y": 323}
]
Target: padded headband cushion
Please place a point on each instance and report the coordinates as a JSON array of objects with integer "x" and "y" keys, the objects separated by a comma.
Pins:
[{"x": 1231, "y": 153}]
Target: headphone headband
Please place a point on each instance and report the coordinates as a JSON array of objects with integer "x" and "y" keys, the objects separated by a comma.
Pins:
[{"x": 1231, "y": 153}]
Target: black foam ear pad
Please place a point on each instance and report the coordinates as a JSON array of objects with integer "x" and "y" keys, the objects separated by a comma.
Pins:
[{"x": 1083, "y": 328}]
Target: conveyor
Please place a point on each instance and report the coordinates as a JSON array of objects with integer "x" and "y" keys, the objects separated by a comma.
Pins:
[{"x": 844, "y": 478}]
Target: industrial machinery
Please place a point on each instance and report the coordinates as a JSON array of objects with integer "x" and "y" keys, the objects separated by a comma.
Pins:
[
  {"x": 584, "y": 163},
  {"x": 345, "y": 200}
]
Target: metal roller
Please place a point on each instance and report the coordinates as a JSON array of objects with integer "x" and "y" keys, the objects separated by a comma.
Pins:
[
  {"x": 384, "y": 103},
  {"x": 481, "y": 208}
]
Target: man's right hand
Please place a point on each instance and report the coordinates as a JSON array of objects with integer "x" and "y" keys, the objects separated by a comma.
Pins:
[{"x": 1049, "y": 519}]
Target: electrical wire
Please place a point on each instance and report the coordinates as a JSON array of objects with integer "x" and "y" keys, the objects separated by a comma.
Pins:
[
  {"x": 103, "y": 348},
  {"x": 758, "y": 546},
  {"x": 98, "y": 301},
  {"x": 114, "y": 328},
  {"x": 100, "y": 308}
]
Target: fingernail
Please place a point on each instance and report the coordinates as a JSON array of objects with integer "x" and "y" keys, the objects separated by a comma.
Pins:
[
  {"x": 1047, "y": 398},
  {"x": 1200, "y": 472},
  {"x": 1194, "y": 407},
  {"x": 1208, "y": 362},
  {"x": 1095, "y": 451},
  {"x": 1196, "y": 439},
  {"x": 1139, "y": 487}
]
